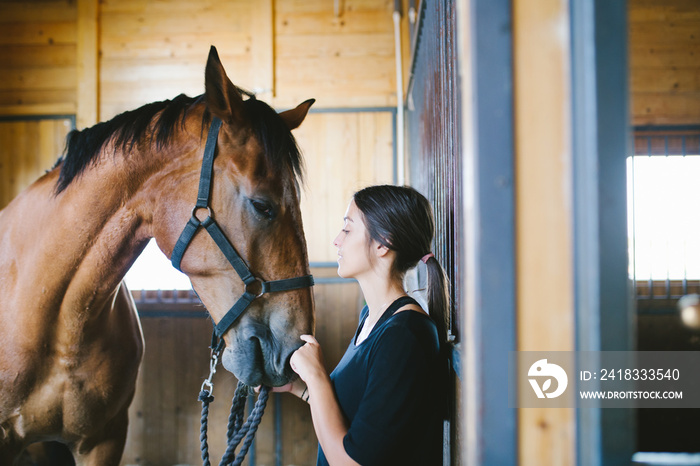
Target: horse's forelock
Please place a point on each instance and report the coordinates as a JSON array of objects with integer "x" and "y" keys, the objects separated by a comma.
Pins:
[{"x": 278, "y": 143}]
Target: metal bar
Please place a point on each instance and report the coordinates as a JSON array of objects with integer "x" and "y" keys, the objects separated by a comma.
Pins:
[
  {"x": 10, "y": 118},
  {"x": 663, "y": 128},
  {"x": 352, "y": 109},
  {"x": 487, "y": 232},
  {"x": 603, "y": 312}
]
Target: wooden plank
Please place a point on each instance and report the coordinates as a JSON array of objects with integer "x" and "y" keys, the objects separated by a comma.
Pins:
[
  {"x": 32, "y": 109},
  {"x": 663, "y": 55},
  {"x": 184, "y": 47},
  {"x": 298, "y": 21},
  {"x": 175, "y": 7},
  {"x": 363, "y": 45},
  {"x": 653, "y": 10},
  {"x": 60, "y": 32},
  {"x": 25, "y": 56},
  {"x": 87, "y": 65},
  {"x": 333, "y": 85},
  {"x": 38, "y": 98},
  {"x": 43, "y": 11},
  {"x": 169, "y": 23},
  {"x": 668, "y": 31},
  {"x": 665, "y": 80},
  {"x": 131, "y": 71},
  {"x": 58, "y": 77},
  {"x": 652, "y": 108}
]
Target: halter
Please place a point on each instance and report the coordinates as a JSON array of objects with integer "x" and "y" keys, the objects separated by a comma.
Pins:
[{"x": 209, "y": 224}]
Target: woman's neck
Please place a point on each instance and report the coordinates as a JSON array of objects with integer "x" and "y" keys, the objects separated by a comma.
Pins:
[{"x": 379, "y": 293}]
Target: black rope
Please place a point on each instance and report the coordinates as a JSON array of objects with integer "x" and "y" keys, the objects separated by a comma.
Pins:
[
  {"x": 237, "y": 429},
  {"x": 247, "y": 431},
  {"x": 235, "y": 419},
  {"x": 205, "y": 398}
]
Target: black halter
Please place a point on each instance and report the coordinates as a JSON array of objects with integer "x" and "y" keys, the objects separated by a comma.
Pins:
[{"x": 225, "y": 246}]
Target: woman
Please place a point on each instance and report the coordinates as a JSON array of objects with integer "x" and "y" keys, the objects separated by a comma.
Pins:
[{"x": 384, "y": 402}]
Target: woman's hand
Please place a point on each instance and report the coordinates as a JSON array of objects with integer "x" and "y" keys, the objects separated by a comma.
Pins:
[{"x": 307, "y": 361}]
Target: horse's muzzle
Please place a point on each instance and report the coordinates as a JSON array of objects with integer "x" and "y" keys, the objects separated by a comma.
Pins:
[{"x": 256, "y": 358}]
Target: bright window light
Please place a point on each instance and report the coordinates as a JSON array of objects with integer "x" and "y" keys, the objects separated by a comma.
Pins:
[
  {"x": 663, "y": 213},
  {"x": 153, "y": 271}
]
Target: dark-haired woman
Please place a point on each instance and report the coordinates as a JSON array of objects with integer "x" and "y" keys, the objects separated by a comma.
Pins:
[{"x": 383, "y": 404}]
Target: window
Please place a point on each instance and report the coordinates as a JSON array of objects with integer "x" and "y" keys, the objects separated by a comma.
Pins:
[{"x": 153, "y": 271}]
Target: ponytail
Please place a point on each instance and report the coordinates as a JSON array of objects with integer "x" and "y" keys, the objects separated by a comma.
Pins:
[{"x": 438, "y": 297}]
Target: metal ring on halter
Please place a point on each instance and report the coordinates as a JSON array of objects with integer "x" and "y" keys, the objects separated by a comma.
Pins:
[
  {"x": 195, "y": 208},
  {"x": 262, "y": 287}
]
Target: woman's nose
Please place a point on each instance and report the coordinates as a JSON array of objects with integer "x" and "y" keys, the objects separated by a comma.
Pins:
[{"x": 336, "y": 241}]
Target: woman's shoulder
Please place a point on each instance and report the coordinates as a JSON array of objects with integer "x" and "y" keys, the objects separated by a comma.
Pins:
[{"x": 411, "y": 322}]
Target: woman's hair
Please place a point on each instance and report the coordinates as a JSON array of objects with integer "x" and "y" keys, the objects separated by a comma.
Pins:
[{"x": 401, "y": 219}]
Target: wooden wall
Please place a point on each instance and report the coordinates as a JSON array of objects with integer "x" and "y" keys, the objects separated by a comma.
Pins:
[
  {"x": 287, "y": 51},
  {"x": 38, "y": 52},
  {"x": 664, "y": 62},
  {"x": 28, "y": 147},
  {"x": 343, "y": 152}
]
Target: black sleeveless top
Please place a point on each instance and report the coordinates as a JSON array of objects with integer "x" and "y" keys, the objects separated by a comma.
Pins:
[{"x": 390, "y": 391}]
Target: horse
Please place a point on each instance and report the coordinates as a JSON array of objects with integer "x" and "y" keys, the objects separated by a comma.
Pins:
[{"x": 70, "y": 339}]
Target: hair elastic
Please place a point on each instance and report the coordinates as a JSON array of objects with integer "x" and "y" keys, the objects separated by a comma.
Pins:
[{"x": 426, "y": 257}]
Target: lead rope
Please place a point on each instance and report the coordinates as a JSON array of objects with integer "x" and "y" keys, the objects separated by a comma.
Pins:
[{"x": 237, "y": 429}]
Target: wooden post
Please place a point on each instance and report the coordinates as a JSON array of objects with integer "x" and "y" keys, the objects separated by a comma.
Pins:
[
  {"x": 544, "y": 212},
  {"x": 87, "y": 113}
]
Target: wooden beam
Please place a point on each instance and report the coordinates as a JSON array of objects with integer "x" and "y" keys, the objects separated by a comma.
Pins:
[
  {"x": 543, "y": 194},
  {"x": 87, "y": 64}
]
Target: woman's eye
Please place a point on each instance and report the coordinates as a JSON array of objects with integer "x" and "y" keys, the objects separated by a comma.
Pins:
[{"x": 263, "y": 208}]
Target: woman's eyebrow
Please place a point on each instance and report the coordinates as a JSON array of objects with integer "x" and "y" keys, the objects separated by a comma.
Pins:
[{"x": 346, "y": 219}]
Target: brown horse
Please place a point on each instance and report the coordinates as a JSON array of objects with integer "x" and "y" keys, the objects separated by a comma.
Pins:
[{"x": 70, "y": 339}]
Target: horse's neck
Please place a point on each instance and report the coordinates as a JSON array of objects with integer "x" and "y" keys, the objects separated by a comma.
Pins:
[{"x": 75, "y": 247}]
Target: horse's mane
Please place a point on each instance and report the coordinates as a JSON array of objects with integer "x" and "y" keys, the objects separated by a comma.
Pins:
[{"x": 86, "y": 146}]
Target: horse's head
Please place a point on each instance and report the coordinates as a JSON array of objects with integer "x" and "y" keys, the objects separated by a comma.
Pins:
[{"x": 255, "y": 202}]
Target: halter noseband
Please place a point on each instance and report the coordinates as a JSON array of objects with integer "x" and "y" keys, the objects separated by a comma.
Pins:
[{"x": 225, "y": 246}]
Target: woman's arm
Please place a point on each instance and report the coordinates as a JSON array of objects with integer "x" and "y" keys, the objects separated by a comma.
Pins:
[{"x": 328, "y": 420}]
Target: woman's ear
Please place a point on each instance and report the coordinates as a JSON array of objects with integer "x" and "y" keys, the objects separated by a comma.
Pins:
[{"x": 381, "y": 250}]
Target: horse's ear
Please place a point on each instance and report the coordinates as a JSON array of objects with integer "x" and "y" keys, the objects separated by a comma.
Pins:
[
  {"x": 223, "y": 98},
  {"x": 295, "y": 116}
]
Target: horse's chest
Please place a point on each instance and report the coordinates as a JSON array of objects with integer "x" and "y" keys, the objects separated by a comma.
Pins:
[{"x": 69, "y": 398}]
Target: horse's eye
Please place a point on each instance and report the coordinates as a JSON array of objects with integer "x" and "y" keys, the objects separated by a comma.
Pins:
[{"x": 263, "y": 208}]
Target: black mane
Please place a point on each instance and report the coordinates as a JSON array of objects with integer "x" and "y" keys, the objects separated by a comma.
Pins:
[{"x": 85, "y": 147}]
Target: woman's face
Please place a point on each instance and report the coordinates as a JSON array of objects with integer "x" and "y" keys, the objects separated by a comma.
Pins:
[{"x": 353, "y": 253}]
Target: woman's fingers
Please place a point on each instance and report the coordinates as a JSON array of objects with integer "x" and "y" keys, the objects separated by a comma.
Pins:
[{"x": 309, "y": 339}]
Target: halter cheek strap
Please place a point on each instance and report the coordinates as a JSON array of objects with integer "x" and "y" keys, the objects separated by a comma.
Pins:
[{"x": 239, "y": 265}]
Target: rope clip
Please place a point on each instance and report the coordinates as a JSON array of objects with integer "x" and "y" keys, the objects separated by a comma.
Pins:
[{"x": 213, "y": 362}]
